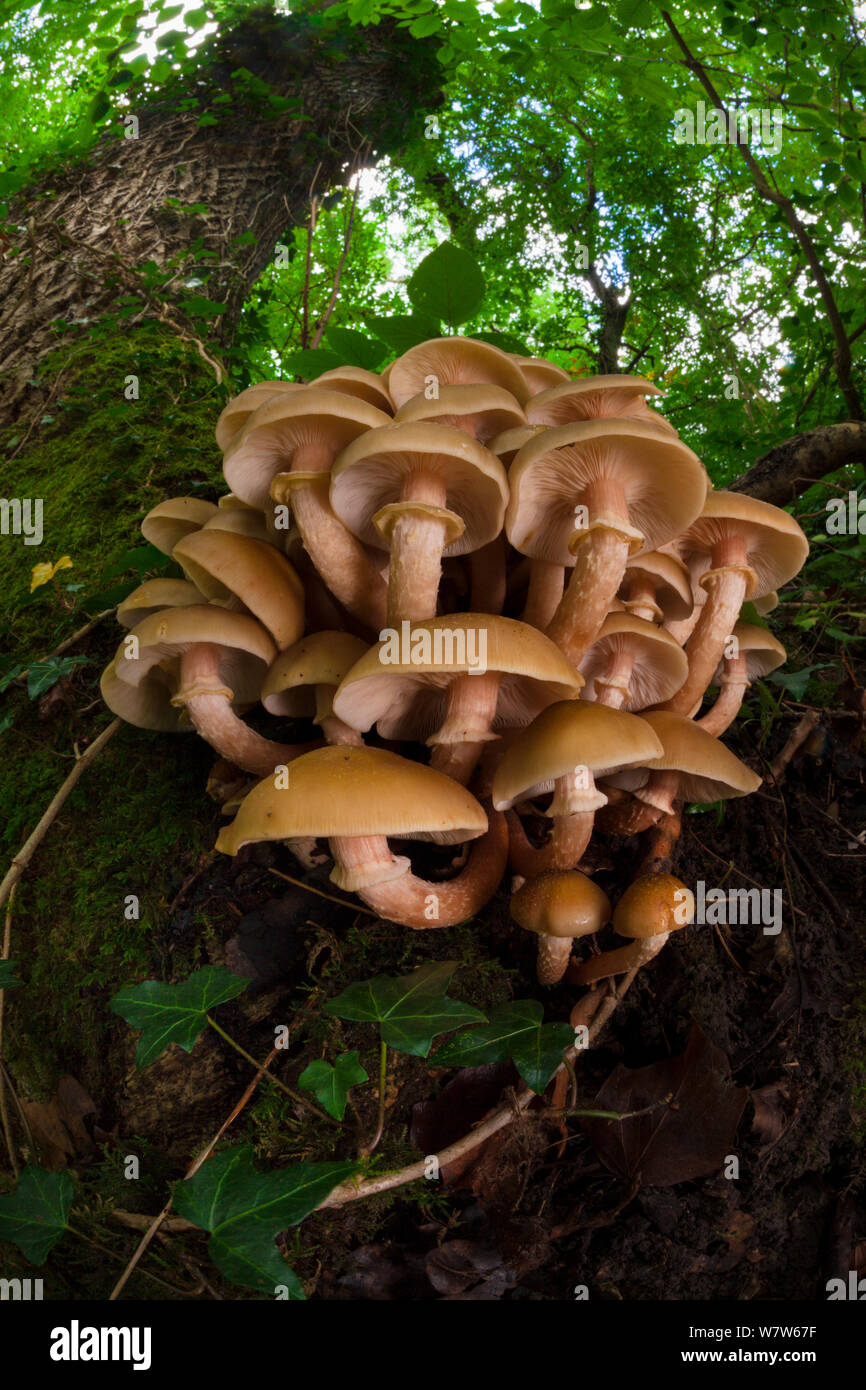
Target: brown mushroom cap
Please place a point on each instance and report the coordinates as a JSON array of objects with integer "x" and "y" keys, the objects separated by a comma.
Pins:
[
  {"x": 595, "y": 397},
  {"x": 763, "y": 652},
  {"x": 285, "y": 423},
  {"x": 369, "y": 476},
  {"x": 356, "y": 792},
  {"x": 663, "y": 482},
  {"x": 168, "y": 522},
  {"x": 776, "y": 547},
  {"x": 240, "y": 408},
  {"x": 506, "y": 445},
  {"x": 767, "y": 603},
  {"x": 320, "y": 658},
  {"x": 669, "y": 580},
  {"x": 245, "y": 649},
  {"x": 653, "y": 904},
  {"x": 244, "y": 521},
  {"x": 567, "y": 736},
  {"x": 146, "y": 705},
  {"x": 708, "y": 770},
  {"x": 225, "y": 566},
  {"x": 409, "y": 698},
  {"x": 154, "y": 595},
  {"x": 491, "y": 409},
  {"x": 660, "y": 664},
  {"x": 454, "y": 362},
  {"x": 538, "y": 373},
  {"x": 357, "y": 381},
  {"x": 562, "y": 904}
]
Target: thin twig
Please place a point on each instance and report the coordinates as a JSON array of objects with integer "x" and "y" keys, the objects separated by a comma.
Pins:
[
  {"x": 383, "y": 1081},
  {"x": 341, "y": 902},
  {"x": 274, "y": 1080},
  {"x": 70, "y": 641}
]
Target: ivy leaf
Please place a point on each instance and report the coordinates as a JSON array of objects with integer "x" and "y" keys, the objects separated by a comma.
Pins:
[
  {"x": 8, "y": 978},
  {"x": 404, "y": 331},
  {"x": 331, "y": 1084},
  {"x": 411, "y": 1010},
  {"x": 42, "y": 675},
  {"x": 33, "y": 1217},
  {"x": 174, "y": 1013},
  {"x": 796, "y": 682},
  {"x": 355, "y": 348},
  {"x": 199, "y": 305},
  {"x": 311, "y": 362},
  {"x": 517, "y": 1031},
  {"x": 448, "y": 284},
  {"x": 244, "y": 1210}
]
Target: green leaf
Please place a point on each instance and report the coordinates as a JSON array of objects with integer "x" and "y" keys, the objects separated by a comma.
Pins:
[
  {"x": 506, "y": 341},
  {"x": 796, "y": 682},
  {"x": 198, "y": 305},
  {"x": 42, "y": 675},
  {"x": 331, "y": 1084},
  {"x": 311, "y": 362},
  {"x": 8, "y": 978},
  {"x": 34, "y": 1216},
  {"x": 515, "y": 1030},
  {"x": 174, "y": 1013},
  {"x": 404, "y": 331},
  {"x": 356, "y": 348},
  {"x": 245, "y": 1210},
  {"x": 141, "y": 559},
  {"x": 447, "y": 285},
  {"x": 411, "y": 1010}
]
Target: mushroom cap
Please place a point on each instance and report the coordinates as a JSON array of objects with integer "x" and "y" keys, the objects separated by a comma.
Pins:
[
  {"x": 409, "y": 698},
  {"x": 663, "y": 481},
  {"x": 147, "y": 705},
  {"x": 776, "y": 546},
  {"x": 669, "y": 579},
  {"x": 492, "y": 409},
  {"x": 242, "y": 521},
  {"x": 357, "y": 381},
  {"x": 244, "y": 647},
  {"x": 708, "y": 770},
  {"x": 176, "y": 517},
  {"x": 660, "y": 664},
  {"x": 154, "y": 595},
  {"x": 767, "y": 603},
  {"x": 276, "y": 429},
  {"x": 561, "y": 904},
  {"x": 653, "y": 904},
  {"x": 538, "y": 373},
  {"x": 235, "y": 415},
  {"x": 564, "y": 737},
  {"x": 506, "y": 445},
  {"x": 454, "y": 362},
  {"x": 596, "y": 397},
  {"x": 228, "y": 502},
  {"x": 320, "y": 658},
  {"x": 350, "y": 792},
  {"x": 225, "y": 566},
  {"x": 370, "y": 473},
  {"x": 763, "y": 652}
]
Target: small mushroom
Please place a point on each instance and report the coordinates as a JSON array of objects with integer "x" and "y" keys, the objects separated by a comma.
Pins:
[
  {"x": 657, "y": 588},
  {"x": 538, "y": 373},
  {"x": 240, "y": 408},
  {"x": 241, "y": 573},
  {"x": 481, "y": 411},
  {"x": 454, "y": 361},
  {"x": 357, "y": 798},
  {"x": 154, "y": 595},
  {"x": 169, "y": 521},
  {"x": 559, "y": 908},
  {"x": 650, "y": 909},
  {"x": 357, "y": 381},
  {"x": 302, "y": 681},
  {"x": 617, "y": 396},
  {"x": 632, "y": 664},
  {"x": 758, "y": 653}
]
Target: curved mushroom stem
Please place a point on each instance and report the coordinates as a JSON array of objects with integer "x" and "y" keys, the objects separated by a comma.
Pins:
[
  {"x": 682, "y": 631},
  {"x": 544, "y": 595},
  {"x": 726, "y": 583},
  {"x": 734, "y": 684},
  {"x": 554, "y": 953},
  {"x": 487, "y": 577},
  {"x": 415, "y": 902},
  {"x": 459, "y": 742},
  {"x": 569, "y": 838},
  {"x": 342, "y": 561},
  {"x": 626, "y": 960},
  {"x": 417, "y": 542},
  {"x": 336, "y": 730},
  {"x": 208, "y": 703},
  {"x": 644, "y": 809}
]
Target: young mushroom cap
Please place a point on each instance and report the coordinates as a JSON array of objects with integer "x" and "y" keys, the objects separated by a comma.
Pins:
[
  {"x": 169, "y": 521},
  {"x": 767, "y": 603},
  {"x": 507, "y": 444},
  {"x": 454, "y": 362},
  {"x": 538, "y": 373},
  {"x": 240, "y": 408},
  {"x": 147, "y": 705},
  {"x": 245, "y": 648},
  {"x": 357, "y": 381},
  {"x": 632, "y": 664},
  {"x": 226, "y": 566},
  {"x": 596, "y": 397},
  {"x": 154, "y": 595},
  {"x": 483, "y": 411},
  {"x": 302, "y": 681},
  {"x": 657, "y": 587},
  {"x": 761, "y": 651},
  {"x": 245, "y": 521},
  {"x": 652, "y": 907},
  {"x": 559, "y": 907},
  {"x": 707, "y": 770}
]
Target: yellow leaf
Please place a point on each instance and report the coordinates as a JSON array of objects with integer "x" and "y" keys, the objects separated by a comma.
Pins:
[{"x": 44, "y": 573}]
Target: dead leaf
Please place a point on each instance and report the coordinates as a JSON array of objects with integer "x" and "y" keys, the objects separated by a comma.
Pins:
[
  {"x": 771, "y": 1115},
  {"x": 675, "y": 1142},
  {"x": 460, "y": 1105},
  {"x": 58, "y": 1125}
]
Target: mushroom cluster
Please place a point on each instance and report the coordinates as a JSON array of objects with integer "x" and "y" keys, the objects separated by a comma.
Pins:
[{"x": 500, "y": 595}]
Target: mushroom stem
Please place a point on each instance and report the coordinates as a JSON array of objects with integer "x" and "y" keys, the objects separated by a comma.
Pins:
[
  {"x": 417, "y": 542},
  {"x": 734, "y": 684},
  {"x": 726, "y": 583},
  {"x": 611, "y": 688},
  {"x": 682, "y": 631},
  {"x": 546, "y": 582},
  {"x": 626, "y": 960},
  {"x": 554, "y": 953},
  {"x": 459, "y": 742},
  {"x": 342, "y": 561},
  {"x": 645, "y": 808},
  {"x": 415, "y": 902},
  {"x": 487, "y": 577},
  {"x": 638, "y": 597},
  {"x": 569, "y": 838},
  {"x": 601, "y": 559},
  {"x": 336, "y": 730},
  {"x": 208, "y": 703}
]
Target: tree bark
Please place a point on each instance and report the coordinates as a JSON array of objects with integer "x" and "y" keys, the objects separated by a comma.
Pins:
[{"x": 789, "y": 469}]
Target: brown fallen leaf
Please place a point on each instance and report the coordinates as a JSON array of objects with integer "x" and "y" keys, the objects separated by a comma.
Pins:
[
  {"x": 687, "y": 1138},
  {"x": 58, "y": 1125},
  {"x": 771, "y": 1111},
  {"x": 460, "y": 1105}
]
